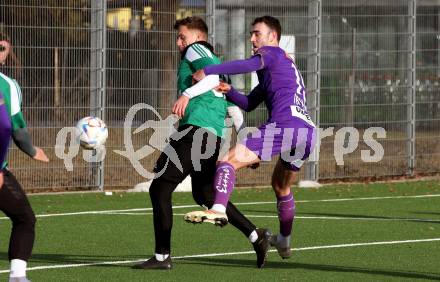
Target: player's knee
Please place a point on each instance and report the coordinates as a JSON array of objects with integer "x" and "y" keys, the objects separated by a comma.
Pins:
[
  {"x": 154, "y": 191},
  {"x": 161, "y": 188},
  {"x": 30, "y": 219},
  {"x": 277, "y": 185},
  {"x": 280, "y": 189},
  {"x": 27, "y": 221},
  {"x": 31, "y": 222},
  {"x": 233, "y": 163}
]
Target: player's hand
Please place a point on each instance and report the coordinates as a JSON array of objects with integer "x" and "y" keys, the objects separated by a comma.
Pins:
[
  {"x": 179, "y": 106},
  {"x": 199, "y": 75},
  {"x": 40, "y": 155},
  {"x": 223, "y": 87},
  {"x": 1, "y": 179}
]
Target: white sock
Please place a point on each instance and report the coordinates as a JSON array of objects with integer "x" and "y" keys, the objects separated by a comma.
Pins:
[
  {"x": 253, "y": 237},
  {"x": 219, "y": 208},
  {"x": 18, "y": 268},
  {"x": 161, "y": 257},
  {"x": 282, "y": 241}
]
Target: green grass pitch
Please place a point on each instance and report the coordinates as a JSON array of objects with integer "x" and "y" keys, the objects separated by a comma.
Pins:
[{"x": 376, "y": 232}]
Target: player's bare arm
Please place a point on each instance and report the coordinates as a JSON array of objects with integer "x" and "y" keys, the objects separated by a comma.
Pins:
[
  {"x": 40, "y": 155},
  {"x": 179, "y": 106}
]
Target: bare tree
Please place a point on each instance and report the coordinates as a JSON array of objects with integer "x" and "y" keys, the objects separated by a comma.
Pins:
[{"x": 164, "y": 18}]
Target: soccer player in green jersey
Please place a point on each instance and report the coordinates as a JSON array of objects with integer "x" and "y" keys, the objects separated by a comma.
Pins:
[
  {"x": 202, "y": 125},
  {"x": 13, "y": 200}
]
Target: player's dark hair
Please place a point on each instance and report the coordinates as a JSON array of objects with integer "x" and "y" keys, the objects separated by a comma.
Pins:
[
  {"x": 192, "y": 23},
  {"x": 4, "y": 37},
  {"x": 12, "y": 66},
  {"x": 271, "y": 22}
]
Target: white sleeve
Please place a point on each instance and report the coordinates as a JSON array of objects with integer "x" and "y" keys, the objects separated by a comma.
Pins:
[
  {"x": 15, "y": 94},
  {"x": 204, "y": 85},
  {"x": 237, "y": 117}
]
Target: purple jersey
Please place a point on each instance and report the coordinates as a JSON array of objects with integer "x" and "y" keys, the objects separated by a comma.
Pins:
[
  {"x": 289, "y": 131},
  {"x": 281, "y": 85},
  {"x": 5, "y": 130}
]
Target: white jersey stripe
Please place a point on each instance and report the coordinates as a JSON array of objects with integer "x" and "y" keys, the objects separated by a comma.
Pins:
[
  {"x": 192, "y": 54},
  {"x": 196, "y": 52},
  {"x": 300, "y": 88},
  {"x": 15, "y": 94},
  {"x": 205, "y": 50}
]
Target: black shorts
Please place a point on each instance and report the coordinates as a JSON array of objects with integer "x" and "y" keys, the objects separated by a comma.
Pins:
[
  {"x": 13, "y": 200},
  {"x": 194, "y": 154}
]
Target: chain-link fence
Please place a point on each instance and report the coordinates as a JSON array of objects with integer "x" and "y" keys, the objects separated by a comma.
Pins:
[{"x": 365, "y": 64}]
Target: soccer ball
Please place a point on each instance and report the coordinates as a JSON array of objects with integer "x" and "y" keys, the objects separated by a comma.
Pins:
[{"x": 91, "y": 132}]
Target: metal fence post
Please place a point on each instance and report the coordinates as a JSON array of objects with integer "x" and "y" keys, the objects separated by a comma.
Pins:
[
  {"x": 314, "y": 79},
  {"x": 97, "y": 73},
  {"x": 210, "y": 21},
  {"x": 411, "y": 95}
]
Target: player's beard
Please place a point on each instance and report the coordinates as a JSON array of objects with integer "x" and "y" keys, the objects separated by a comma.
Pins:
[{"x": 254, "y": 49}]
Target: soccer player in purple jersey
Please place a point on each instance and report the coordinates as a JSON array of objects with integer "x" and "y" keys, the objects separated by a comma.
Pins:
[{"x": 288, "y": 132}]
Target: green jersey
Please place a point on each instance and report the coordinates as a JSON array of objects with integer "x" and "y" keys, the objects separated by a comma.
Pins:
[
  {"x": 209, "y": 109},
  {"x": 12, "y": 99}
]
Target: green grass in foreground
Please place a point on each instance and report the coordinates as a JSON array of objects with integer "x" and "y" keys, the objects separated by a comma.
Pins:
[{"x": 128, "y": 236}]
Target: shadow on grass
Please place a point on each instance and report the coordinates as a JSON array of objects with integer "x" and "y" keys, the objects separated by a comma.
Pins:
[
  {"x": 354, "y": 216},
  {"x": 264, "y": 212},
  {"x": 243, "y": 263},
  {"x": 227, "y": 262},
  {"x": 427, "y": 212},
  {"x": 79, "y": 259}
]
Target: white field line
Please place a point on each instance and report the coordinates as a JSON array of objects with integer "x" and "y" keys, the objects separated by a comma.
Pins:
[
  {"x": 237, "y": 204},
  {"x": 303, "y": 217},
  {"x": 229, "y": 254}
]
